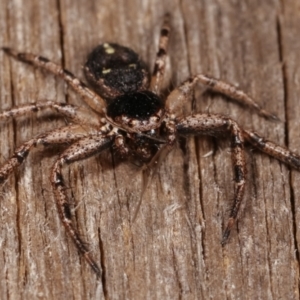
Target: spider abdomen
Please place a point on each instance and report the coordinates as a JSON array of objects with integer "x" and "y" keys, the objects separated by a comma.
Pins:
[{"x": 114, "y": 70}]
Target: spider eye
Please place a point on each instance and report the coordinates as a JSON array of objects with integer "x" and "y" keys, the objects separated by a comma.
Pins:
[
  {"x": 139, "y": 106},
  {"x": 114, "y": 70}
]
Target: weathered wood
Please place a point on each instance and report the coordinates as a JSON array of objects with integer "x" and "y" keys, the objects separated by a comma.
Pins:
[{"x": 173, "y": 248}]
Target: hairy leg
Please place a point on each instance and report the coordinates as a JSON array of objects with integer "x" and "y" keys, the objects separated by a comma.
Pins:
[
  {"x": 214, "y": 125},
  {"x": 81, "y": 149},
  {"x": 281, "y": 153},
  {"x": 67, "y": 134},
  {"x": 178, "y": 96}
]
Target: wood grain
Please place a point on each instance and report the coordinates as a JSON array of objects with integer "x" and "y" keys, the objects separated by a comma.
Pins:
[{"x": 173, "y": 249}]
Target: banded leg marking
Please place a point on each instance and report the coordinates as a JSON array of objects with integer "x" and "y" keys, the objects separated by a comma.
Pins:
[
  {"x": 176, "y": 98},
  {"x": 79, "y": 150},
  {"x": 281, "y": 153},
  {"x": 214, "y": 125},
  {"x": 75, "y": 113},
  {"x": 67, "y": 134}
]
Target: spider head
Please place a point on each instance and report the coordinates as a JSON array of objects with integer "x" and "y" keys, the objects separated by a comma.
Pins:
[
  {"x": 136, "y": 112},
  {"x": 114, "y": 70}
]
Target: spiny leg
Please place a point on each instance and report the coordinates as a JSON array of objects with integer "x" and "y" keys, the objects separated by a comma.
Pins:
[
  {"x": 75, "y": 113},
  {"x": 179, "y": 95},
  {"x": 281, "y": 153},
  {"x": 214, "y": 125},
  {"x": 160, "y": 61},
  {"x": 82, "y": 149},
  {"x": 67, "y": 134},
  {"x": 90, "y": 97},
  {"x": 239, "y": 168}
]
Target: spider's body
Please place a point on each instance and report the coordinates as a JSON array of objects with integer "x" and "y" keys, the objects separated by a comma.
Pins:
[
  {"x": 128, "y": 114},
  {"x": 121, "y": 78}
]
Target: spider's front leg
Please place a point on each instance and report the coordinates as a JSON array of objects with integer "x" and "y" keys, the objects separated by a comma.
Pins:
[
  {"x": 214, "y": 125},
  {"x": 82, "y": 149}
]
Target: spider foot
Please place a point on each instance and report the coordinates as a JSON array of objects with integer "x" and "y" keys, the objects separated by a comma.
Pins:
[
  {"x": 15, "y": 54},
  {"x": 6, "y": 50},
  {"x": 227, "y": 231},
  {"x": 268, "y": 115},
  {"x": 93, "y": 264}
]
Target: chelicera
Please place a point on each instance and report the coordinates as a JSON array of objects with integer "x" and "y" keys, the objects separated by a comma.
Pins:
[{"x": 127, "y": 113}]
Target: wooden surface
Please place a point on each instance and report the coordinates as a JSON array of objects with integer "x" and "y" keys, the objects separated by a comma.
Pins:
[{"x": 172, "y": 250}]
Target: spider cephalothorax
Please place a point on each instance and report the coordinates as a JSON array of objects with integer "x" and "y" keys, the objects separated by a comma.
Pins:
[
  {"x": 136, "y": 111},
  {"x": 128, "y": 114}
]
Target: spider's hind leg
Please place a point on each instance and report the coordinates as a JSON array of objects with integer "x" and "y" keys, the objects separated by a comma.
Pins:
[
  {"x": 84, "y": 148},
  {"x": 215, "y": 125}
]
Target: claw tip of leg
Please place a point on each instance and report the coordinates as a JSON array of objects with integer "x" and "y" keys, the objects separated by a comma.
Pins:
[
  {"x": 5, "y": 49},
  {"x": 270, "y": 116}
]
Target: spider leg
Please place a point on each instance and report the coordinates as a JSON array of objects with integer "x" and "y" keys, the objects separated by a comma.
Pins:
[
  {"x": 82, "y": 149},
  {"x": 75, "y": 113},
  {"x": 179, "y": 95},
  {"x": 91, "y": 98},
  {"x": 67, "y": 134},
  {"x": 281, "y": 153},
  {"x": 213, "y": 125},
  {"x": 160, "y": 61}
]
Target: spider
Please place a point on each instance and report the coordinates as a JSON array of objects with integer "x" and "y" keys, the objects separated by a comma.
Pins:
[{"x": 127, "y": 113}]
